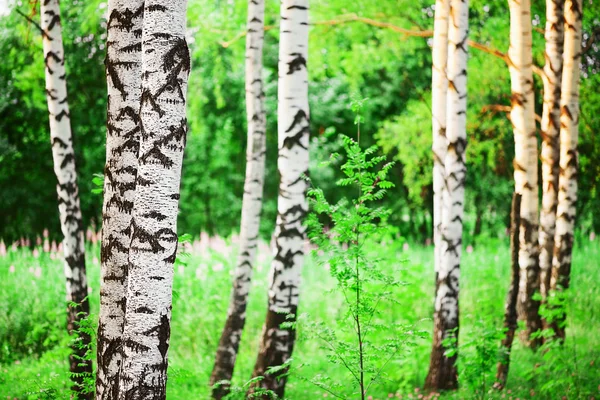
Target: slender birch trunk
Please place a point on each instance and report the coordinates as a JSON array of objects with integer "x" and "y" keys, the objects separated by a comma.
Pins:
[
  {"x": 123, "y": 71},
  {"x": 526, "y": 163},
  {"x": 442, "y": 369},
  {"x": 439, "y": 93},
  {"x": 293, "y": 132},
  {"x": 153, "y": 249},
  {"x": 550, "y": 135},
  {"x": 510, "y": 310},
  {"x": 569, "y": 159},
  {"x": 67, "y": 189},
  {"x": 252, "y": 201}
]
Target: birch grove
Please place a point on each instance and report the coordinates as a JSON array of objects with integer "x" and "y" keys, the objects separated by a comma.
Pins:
[
  {"x": 522, "y": 116},
  {"x": 123, "y": 71},
  {"x": 153, "y": 248},
  {"x": 550, "y": 134},
  {"x": 569, "y": 158},
  {"x": 277, "y": 343},
  {"x": 442, "y": 368},
  {"x": 67, "y": 189},
  {"x": 251, "y": 203}
]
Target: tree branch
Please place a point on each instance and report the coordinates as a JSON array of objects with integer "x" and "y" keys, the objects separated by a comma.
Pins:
[
  {"x": 349, "y": 18},
  {"x": 498, "y": 108}
]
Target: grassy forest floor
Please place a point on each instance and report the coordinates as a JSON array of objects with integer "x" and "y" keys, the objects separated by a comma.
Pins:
[{"x": 34, "y": 348}]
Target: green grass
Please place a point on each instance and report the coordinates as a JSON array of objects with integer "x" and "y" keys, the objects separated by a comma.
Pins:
[{"x": 33, "y": 342}]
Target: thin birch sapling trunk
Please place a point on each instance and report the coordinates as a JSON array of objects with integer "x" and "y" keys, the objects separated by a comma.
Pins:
[
  {"x": 569, "y": 158},
  {"x": 123, "y": 71},
  {"x": 67, "y": 191},
  {"x": 153, "y": 249},
  {"x": 251, "y": 204},
  {"x": 277, "y": 343},
  {"x": 442, "y": 368},
  {"x": 522, "y": 116},
  {"x": 439, "y": 93},
  {"x": 510, "y": 309},
  {"x": 550, "y": 138}
]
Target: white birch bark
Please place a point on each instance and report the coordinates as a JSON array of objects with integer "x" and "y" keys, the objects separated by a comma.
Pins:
[
  {"x": 526, "y": 161},
  {"x": 146, "y": 333},
  {"x": 123, "y": 72},
  {"x": 569, "y": 158},
  {"x": 66, "y": 175},
  {"x": 293, "y": 138},
  {"x": 439, "y": 93},
  {"x": 550, "y": 134},
  {"x": 442, "y": 372},
  {"x": 252, "y": 201}
]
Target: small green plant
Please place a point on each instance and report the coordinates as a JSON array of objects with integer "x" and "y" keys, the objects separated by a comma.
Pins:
[
  {"x": 348, "y": 234},
  {"x": 478, "y": 358}
]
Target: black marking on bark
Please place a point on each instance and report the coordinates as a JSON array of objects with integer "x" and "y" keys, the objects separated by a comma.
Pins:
[
  {"x": 297, "y": 63},
  {"x": 125, "y": 18},
  {"x": 147, "y": 97},
  {"x": 68, "y": 158},
  {"x": 58, "y": 141},
  {"x": 155, "y": 215},
  {"x": 51, "y": 55},
  {"x": 61, "y": 115}
]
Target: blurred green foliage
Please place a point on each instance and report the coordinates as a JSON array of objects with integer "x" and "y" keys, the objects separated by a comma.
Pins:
[{"x": 391, "y": 69}]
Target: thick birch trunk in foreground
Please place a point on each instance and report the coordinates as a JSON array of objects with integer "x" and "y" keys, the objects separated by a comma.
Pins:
[
  {"x": 146, "y": 333},
  {"x": 526, "y": 163},
  {"x": 550, "y": 135},
  {"x": 252, "y": 202},
  {"x": 293, "y": 132},
  {"x": 569, "y": 159},
  {"x": 67, "y": 189},
  {"x": 123, "y": 72},
  {"x": 439, "y": 93},
  {"x": 442, "y": 369},
  {"x": 510, "y": 310}
]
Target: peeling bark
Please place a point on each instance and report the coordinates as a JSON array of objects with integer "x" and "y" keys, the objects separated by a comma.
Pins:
[
  {"x": 550, "y": 138},
  {"x": 67, "y": 189},
  {"x": 252, "y": 201},
  {"x": 522, "y": 116},
  {"x": 123, "y": 71},
  {"x": 277, "y": 343},
  {"x": 442, "y": 369},
  {"x": 569, "y": 158},
  {"x": 153, "y": 248}
]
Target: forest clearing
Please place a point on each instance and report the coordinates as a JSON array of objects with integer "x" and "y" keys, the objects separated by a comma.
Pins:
[{"x": 294, "y": 199}]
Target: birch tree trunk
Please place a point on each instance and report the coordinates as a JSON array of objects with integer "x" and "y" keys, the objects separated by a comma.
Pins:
[
  {"x": 439, "y": 92},
  {"x": 153, "y": 249},
  {"x": 526, "y": 163},
  {"x": 66, "y": 189},
  {"x": 252, "y": 201},
  {"x": 510, "y": 308},
  {"x": 293, "y": 138},
  {"x": 569, "y": 159},
  {"x": 442, "y": 369},
  {"x": 550, "y": 135},
  {"x": 123, "y": 72}
]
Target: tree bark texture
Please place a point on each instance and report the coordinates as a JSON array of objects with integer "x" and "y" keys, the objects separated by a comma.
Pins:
[
  {"x": 442, "y": 369},
  {"x": 550, "y": 138},
  {"x": 277, "y": 343},
  {"x": 522, "y": 116},
  {"x": 510, "y": 310},
  {"x": 252, "y": 201},
  {"x": 123, "y": 72},
  {"x": 439, "y": 93},
  {"x": 67, "y": 189},
  {"x": 569, "y": 158},
  {"x": 153, "y": 249}
]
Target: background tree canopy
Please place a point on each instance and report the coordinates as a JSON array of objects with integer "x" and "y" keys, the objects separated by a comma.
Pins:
[{"x": 356, "y": 47}]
